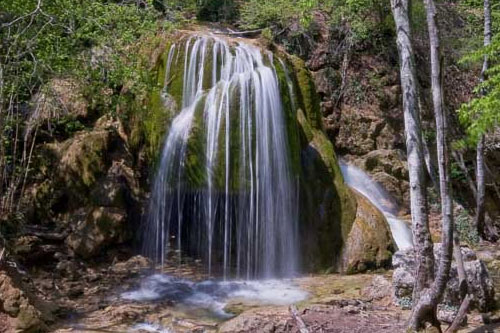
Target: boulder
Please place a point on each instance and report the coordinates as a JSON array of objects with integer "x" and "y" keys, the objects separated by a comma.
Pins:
[
  {"x": 118, "y": 188},
  {"x": 31, "y": 249},
  {"x": 379, "y": 289},
  {"x": 478, "y": 279},
  {"x": 98, "y": 229},
  {"x": 82, "y": 158},
  {"x": 369, "y": 244},
  {"x": 260, "y": 320},
  {"x": 23, "y": 311},
  {"x": 134, "y": 265}
]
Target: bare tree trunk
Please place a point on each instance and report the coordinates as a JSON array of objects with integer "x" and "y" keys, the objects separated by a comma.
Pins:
[
  {"x": 480, "y": 177},
  {"x": 416, "y": 164},
  {"x": 431, "y": 170},
  {"x": 463, "y": 286},
  {"x": 481, "y": 188},
  {"x": 424, "y": 309}
]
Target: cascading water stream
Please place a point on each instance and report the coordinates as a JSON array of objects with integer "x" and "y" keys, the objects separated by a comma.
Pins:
[
  {"x": 362, "y": 183},
  {"x": 224, "y": 189}
]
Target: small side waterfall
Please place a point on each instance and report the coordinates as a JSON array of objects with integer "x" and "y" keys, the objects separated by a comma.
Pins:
[
  {"x": 361, "y": 182},
  {"x": 224, "y": 190}
]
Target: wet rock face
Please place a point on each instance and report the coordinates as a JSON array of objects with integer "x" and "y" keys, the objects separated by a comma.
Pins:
[
  {"x": 478, "y": 279},
  {"x": 390, "y": 169}
]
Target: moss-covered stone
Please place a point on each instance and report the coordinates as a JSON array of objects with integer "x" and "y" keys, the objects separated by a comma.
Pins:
[
  {"x": 308, "y": 98},
  {"x": 83, "y": 157},
  {"x": 194, "y": 168},
  {"x": 369, "y": 244},
  {"x": 328, "y": 207}
]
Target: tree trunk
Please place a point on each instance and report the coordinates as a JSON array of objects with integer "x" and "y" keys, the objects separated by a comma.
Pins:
[
  {"x": 416, "y": 163},
  {"x": 424, "y": 309},
  {"x": 481, "y": 188},
  {"x": 480, "y": 177},
  {"x": 431, "y": 170},
  {"x": 462, "y": 285}
]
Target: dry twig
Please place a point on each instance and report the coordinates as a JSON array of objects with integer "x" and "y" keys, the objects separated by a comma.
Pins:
[{"x": 300, "y": 323}]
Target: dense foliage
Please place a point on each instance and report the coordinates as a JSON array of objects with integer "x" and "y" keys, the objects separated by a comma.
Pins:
[
  {"x": 91, "y": 41},
  {"x": 482, "y": 114},
  {"x": 365, "y": 19}
]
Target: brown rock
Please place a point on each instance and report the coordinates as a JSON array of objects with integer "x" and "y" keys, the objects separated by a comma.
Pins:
[
  {"x": 133, "y": 265},
  {"x": 369, "y": 244},
  {"x": 26, "y": 313},
  {"x": 101, "y": 227},
  {"x": 379, "y": 288}
]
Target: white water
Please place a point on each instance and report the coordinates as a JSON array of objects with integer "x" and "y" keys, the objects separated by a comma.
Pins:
[
  {"x": 214, "y": 296},
  {"x": 242, "y": 218},
  {"x": 147, "y": 327},
  {"x": 361, "y": 182}
]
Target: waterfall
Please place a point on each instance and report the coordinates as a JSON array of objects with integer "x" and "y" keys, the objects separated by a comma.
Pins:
[
  {"x": 224, "y": 190},
  {"x": 362, "y": 183}
]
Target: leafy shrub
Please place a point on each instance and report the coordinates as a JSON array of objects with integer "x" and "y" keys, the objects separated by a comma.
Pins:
[{"x": 94, "y": 41}]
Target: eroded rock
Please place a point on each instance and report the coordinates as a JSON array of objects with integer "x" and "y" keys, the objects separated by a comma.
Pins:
[
  {"x": 369, "y": 244},
  {"x": 380, "y": 288},
  {"x": 101, "y": 227},
  {"x": 25, "y": 312},
  {"x": 134, "y": 265}
]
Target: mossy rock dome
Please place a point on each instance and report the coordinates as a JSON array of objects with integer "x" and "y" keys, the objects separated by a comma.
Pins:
[{"x": 327, "y": 207}]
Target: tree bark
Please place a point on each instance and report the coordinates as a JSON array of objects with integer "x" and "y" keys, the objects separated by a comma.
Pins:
[
  {"x": 481, "y": 188},
  {"x": 480, "y": 177},
  {"x": 424, "y": 309},
  {"x": 416, "y": 164},
  {"x": 431, "y": 170}
]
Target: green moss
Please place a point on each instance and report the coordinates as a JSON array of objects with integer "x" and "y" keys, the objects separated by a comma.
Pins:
[
  {"x": 176, "y": 80},
  {"x": 195, "y": 173},
  {"x": 328, "y": 208},
  {"x": 89, "y": 162},
  {"x": 290, "y": 113},
  {"x": 154, "y": 123},
  {"x": 161, "y": 67},
  {"x": 306, "y": 128},
  {"x": 307, "y": 96},
  {"x": 207, "y": 73},
  {"x": 104, "y": 223}
]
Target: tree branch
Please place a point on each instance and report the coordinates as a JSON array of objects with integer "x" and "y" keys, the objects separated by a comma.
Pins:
[{"x": 300, "y": 323}]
